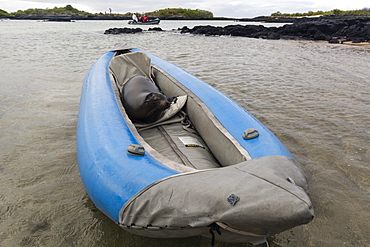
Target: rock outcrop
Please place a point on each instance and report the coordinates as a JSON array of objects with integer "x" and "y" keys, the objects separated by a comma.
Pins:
[
  {"x": 122, "y": 30},
  {"x": 333, "y": 30}
]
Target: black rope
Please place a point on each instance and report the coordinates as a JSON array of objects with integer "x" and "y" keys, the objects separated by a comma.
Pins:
[{"x": 214, "y": 227}]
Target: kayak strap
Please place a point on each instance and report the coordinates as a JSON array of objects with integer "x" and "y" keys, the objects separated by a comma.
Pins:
[
  {"x": 226, "y": 227},
  {"x": 217, "y": 225},
  {"x": 214, "y": 227}
]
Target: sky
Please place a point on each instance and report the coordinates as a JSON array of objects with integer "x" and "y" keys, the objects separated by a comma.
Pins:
[{"x": 219, "y": 8}]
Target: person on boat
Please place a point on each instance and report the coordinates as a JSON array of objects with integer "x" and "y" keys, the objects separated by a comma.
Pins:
[
  {"x": 140, "y": 19},
  {"x": 134, "y": 18},
  {"x": 145, "y": 18}
]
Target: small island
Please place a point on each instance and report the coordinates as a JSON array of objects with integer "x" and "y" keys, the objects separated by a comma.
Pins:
[{"x": 69, "y": 13}]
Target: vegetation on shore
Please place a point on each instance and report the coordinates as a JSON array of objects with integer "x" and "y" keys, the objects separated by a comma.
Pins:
[
  {"x": 173, "y": 12},
  {"x": 179, "y": 12},
  {"x": 337, "y": 12},
  {"x": 3, "y": 12},
  {"x": 69, "y": 10}
]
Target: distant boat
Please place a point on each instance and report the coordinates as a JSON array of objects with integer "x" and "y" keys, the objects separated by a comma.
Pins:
[{"x": 150, "y": 22}]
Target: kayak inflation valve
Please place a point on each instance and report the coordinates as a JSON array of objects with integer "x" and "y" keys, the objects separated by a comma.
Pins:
[
  {"x": 135, "y": 149},
  {"x": 250, "y": 134},
  {"x": 233, "y": 199}
]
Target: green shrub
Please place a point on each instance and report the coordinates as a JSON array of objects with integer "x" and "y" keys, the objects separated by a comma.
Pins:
[
  {"x": 3, "y": 12},
  {"x": 361, "y": 12}
]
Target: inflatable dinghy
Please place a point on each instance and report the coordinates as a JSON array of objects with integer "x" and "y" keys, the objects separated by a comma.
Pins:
[{"x": 206, "y": 168}]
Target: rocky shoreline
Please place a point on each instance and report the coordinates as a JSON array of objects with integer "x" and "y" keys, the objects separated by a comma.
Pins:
[
  {"x": 333, "y": 30},
  {"x": 355, "y": 30}
]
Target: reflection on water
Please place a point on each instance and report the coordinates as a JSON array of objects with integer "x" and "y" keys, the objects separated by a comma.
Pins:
[{"x": 314, "y": 96}]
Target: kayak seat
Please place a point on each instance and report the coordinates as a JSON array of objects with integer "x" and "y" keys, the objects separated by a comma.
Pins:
[{"x": 180, "y": 145}]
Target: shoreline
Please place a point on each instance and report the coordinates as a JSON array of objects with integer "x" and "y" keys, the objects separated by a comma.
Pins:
[
  {"x": 336, "y": 31},
  {"x": 267, "y": 19}
]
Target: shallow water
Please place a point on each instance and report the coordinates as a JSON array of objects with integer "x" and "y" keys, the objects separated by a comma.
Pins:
[{"x": 314, "y": 96}]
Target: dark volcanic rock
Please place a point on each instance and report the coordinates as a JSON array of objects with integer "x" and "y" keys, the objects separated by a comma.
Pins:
[
  {"x": 123, "y": 30},
  {"x": 332, "y": 30},
  {"x": 155, "y": 29}
]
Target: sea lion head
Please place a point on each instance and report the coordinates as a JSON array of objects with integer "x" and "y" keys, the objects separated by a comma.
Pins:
[{"x": 156, "y": 104}]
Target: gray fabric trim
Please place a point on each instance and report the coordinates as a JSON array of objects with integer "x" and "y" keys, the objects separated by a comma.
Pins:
[
  {"x": 182, "y": 156},
  {"x": 268, "y": 203},
  {"x": 169, "y": 140},
  {"x": 136, "y": 64}
]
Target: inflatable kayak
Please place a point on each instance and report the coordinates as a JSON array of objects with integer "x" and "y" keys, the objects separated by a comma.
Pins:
[{"x": 207, "y": 167}]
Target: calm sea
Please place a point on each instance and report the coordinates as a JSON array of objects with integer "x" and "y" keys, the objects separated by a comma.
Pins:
[{"x": 314, "y": 96}]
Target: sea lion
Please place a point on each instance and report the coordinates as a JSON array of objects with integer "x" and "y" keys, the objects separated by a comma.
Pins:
[{"x": 142, "y": 100}]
